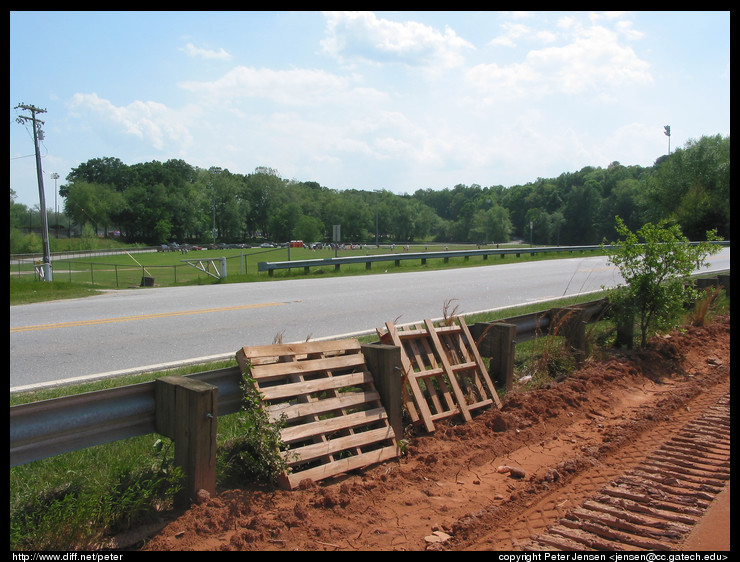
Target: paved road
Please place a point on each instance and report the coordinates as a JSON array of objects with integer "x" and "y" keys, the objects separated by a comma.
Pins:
[{"x": 125, "y": 331}]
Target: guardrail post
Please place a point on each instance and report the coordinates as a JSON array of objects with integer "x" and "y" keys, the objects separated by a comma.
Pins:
[
  {"x": 624, "y": 318},
  {"x": 571, "y": 324},
  {"x": 497, "y": 341},
  {"x": 503, "y": 348},
  {"x": 186, "y": 412},
  {"x": 384, "y": 363},
  {"x": 724, "y": 281}
]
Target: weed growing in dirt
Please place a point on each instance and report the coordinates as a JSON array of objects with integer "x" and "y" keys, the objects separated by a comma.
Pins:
[
  {"x": 703, "y": 305},
  {"x": 255, "y": 453}
]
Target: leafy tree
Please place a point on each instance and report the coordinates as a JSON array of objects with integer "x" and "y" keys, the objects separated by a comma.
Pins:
[
  {"x": 692, "y": 187},
  {"x": 104, "y": 171},
  {"x": 656, "y": 264},
  {"x": 309, "y": 229},
  {"x": 93, "y": 204}
]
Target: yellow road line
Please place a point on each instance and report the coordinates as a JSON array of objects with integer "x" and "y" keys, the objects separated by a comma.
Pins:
[{"x": 141, "y": 317}]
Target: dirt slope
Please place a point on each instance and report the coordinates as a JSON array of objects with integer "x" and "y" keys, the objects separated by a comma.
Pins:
[{"x": 570, "y": 440}]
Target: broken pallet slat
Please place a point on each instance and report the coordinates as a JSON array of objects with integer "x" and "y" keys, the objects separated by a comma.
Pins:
[{"x": 325, "y": 396}]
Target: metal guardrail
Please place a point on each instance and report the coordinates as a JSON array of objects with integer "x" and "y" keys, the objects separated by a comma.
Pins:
[
  {"x": 270, "y": 267},
  {"x": 423, "y": 256},
  {"x": 51, "y": 427}
]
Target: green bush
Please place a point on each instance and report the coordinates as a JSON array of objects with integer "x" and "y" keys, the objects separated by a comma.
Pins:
[{"x": 656, "y": 263}]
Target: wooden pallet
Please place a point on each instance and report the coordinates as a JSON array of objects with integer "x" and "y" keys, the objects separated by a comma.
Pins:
[
  {"x": 444, "y": 373},
  {"x": 324, "y": 393}
]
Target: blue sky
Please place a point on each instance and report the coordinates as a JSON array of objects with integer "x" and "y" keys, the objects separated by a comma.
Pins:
[{"x": 366, "y": 100}]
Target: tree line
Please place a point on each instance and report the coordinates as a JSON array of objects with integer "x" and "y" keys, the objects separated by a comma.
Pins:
[{"x": 158, "y": 202}]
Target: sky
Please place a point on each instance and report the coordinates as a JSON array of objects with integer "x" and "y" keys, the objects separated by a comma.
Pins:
[{"x": 398, "y": 101}]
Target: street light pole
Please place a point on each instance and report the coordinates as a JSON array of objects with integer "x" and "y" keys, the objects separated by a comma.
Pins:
[
  {"x": 667, "y": 132},
  {"x": 55, "y": 177}
]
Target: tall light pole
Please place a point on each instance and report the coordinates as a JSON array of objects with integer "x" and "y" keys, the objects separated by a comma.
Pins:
[
  {"x": 38, "y": 133},
  {"x": 667, "y": 132},
  {"x": 55, "y": 177},
  {"x": 377, "y": 205},
  {"x": 213, "y": 171}
]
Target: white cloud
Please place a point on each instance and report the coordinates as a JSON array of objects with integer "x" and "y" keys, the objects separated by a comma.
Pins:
[
  {"x": 593, "y": 59},
  {"x": 149, "y": 121},
  {"x": 362, "y": 36},
  {"x": 297, "y": 87},
  {"x": 193, "y": 51}
]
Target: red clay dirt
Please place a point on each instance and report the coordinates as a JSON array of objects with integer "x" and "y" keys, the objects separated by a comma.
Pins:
[{"x": 446, "y": 492}]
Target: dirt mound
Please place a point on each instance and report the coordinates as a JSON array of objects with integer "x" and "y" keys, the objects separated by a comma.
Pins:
[{"x": 448, "y": 492}]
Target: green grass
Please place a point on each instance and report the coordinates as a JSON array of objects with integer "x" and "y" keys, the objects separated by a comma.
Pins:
[{"x": 25, "y": 291}]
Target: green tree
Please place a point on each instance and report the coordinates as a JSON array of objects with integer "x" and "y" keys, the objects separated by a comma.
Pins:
[
  {"x": 692, "y": 187},
  {"x": 93, "y": 204},
  {"x": 656, "y": 264},
  {"x": 309, "y": 229}
]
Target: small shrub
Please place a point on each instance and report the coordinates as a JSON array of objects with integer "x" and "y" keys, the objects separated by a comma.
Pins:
[
  {"x": 656, "y": 264},
  {"x": 255, "y": 453}
]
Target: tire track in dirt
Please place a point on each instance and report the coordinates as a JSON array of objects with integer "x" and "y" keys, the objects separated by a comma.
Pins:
[
  {"x": 647, "y": 494},
  {"x": 654, "y": 506}
]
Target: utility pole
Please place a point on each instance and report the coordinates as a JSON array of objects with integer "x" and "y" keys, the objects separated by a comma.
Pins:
[{"x": 38, "y": 133}]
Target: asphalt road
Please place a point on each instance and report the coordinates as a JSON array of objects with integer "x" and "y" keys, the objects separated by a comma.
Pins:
[{"x": 138, "y": 329}]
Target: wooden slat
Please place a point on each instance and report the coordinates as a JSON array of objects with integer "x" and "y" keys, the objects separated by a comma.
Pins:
[
  {"x": 479, "y": 360},
  {"x": 301, "y": 348},
  {"x": 459, "y": 396},
  {"x": 317, "y": 450},
  {"x": 306, "y": 367},
  {"x": 288, "y": 390},
  {"x": 331, "y": 425},
  {"x": 423, "y": 413},
  {"x": 323, "y": 471},
  {"x": 300, "y": 410}
]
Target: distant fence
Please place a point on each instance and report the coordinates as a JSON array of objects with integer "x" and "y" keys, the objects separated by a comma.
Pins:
[{"x": 68, "y": 266}]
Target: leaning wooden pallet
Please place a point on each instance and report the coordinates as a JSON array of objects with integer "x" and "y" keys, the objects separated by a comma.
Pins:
[
  {"x": 443, "y": 370},
  {"x": 326, "y": 397}
]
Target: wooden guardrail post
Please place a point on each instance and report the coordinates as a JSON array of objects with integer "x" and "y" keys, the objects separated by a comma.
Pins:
[
  {"x": 570, "y": 323},
  {"x": 186, "y": 412},
  {"x": 724, "y": 281},
  {"x": 624, "y": 318},
  {"x": 497, "y": 341},
  {"x": 384, "y": 363},
  {"x": 503, "y": 348}
]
